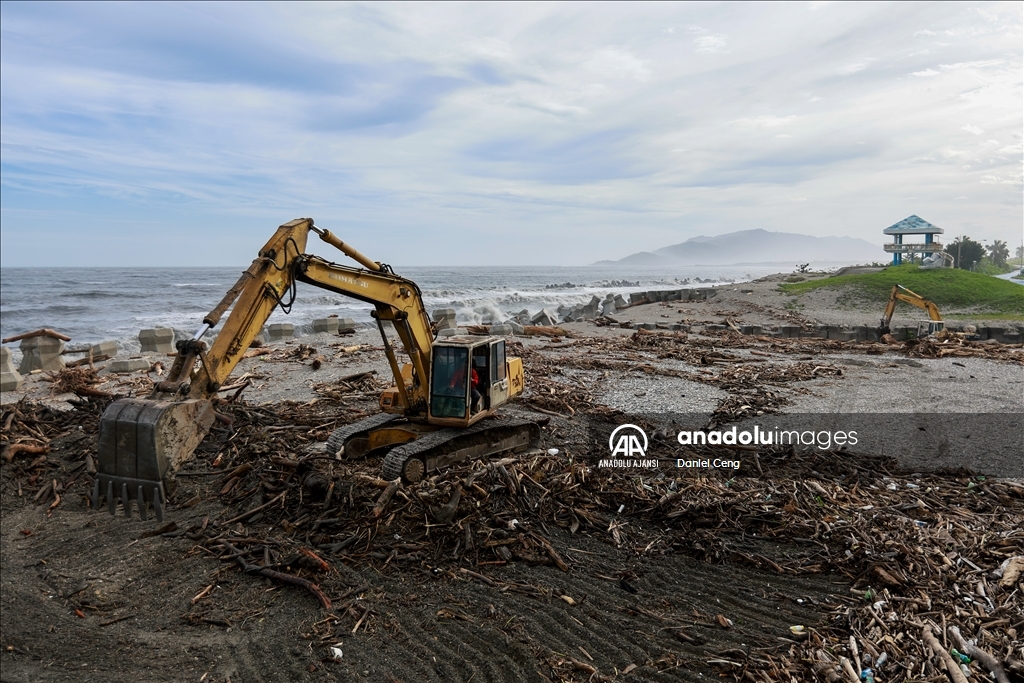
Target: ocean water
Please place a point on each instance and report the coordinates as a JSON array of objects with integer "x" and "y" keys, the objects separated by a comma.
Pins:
[{"x": 96, "y": 304}]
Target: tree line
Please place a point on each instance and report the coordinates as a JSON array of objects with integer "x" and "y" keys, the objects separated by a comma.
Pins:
[{"x": 971, "y": 255}]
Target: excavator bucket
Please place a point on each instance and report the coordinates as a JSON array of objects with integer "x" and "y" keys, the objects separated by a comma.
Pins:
[{"x": 142, "y": 444}]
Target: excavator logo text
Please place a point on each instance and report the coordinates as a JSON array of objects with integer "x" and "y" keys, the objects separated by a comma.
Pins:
[{"x": 348, "y": 280}]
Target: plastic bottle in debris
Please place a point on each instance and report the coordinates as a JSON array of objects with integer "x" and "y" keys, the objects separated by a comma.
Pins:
[{"x": 867, "y": 675}]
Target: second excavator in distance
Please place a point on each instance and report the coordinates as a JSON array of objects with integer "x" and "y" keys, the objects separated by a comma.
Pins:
[
  {"x": 432, "y": 417},
  {"x": 900, "y": 293}
]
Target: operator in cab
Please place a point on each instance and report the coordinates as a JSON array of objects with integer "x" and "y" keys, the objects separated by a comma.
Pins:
[{"x": 459, "y": 380}]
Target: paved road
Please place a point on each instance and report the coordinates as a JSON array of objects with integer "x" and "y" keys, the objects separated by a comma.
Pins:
[{"x": 1009, "y": 276}]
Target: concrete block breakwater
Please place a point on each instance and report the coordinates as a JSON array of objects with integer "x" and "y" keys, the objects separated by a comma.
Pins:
[{"x": 44, "y": 350}]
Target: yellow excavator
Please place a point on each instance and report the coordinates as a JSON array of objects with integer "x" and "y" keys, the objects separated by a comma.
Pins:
[
  {"x": 901, "y": 293},
  {"x": 440, "y": 411}
]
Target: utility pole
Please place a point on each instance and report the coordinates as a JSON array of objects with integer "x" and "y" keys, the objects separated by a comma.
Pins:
[{"x": 959, "y": 246}]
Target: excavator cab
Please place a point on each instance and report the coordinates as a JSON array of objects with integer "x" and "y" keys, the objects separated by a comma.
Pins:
[
  {"x": 928, "y": 328},
  {"x": 456, "y": 361}
]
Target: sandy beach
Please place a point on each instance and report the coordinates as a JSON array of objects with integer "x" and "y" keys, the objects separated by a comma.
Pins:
[{"x": 554, "y": 570}]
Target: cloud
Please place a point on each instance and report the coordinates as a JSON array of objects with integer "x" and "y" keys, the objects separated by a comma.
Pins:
[
  {"x": 999, "y": 180},
  {"x": 555, "y": 108},
  {"x": 980, "y": 64},
  {"x": 550, "y": 133},
  {"x": 707, "y": 42},
  {"x": 599, "y": 156},
  {"x": 618, "y": 63},
  {"x": 858, "y": 66},
  {"x": 767, "y": 121}
]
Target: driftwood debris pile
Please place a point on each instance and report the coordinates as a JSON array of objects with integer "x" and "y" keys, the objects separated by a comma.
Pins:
[
  {"x": 77, "y": 380},
  {"x": 928, "y": 568},
  {"x": 930, "y": 563}
]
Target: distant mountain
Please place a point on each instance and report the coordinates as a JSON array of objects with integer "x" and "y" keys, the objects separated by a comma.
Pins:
[{"x": 757, "y": 246}]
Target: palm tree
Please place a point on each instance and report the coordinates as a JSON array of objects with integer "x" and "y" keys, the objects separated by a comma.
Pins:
[{"x": 998, "y": 253}]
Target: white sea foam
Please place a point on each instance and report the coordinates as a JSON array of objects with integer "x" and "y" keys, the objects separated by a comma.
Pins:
[{"x": 95, "y": 304}]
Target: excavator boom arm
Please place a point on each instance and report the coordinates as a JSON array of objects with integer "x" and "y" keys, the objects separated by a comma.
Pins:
[
  {"x": 268, "y": 283},
  {"x": 396, "y": 300},
  {"x": 933, "y": 310},
  {"x": 144, "y": 441}
]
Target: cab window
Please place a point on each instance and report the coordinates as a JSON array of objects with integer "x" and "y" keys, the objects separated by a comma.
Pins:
[
  {"x": 498, "y": 361},
  {"x": 450, "y": 384}
]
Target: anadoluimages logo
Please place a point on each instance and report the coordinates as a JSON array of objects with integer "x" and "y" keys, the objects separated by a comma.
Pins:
[{"x": 628, "y": 447}]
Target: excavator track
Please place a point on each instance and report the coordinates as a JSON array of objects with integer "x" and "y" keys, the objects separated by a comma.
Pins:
[
  {"x": 431, "y": 452},
  {"x": 339, "y": 436}
]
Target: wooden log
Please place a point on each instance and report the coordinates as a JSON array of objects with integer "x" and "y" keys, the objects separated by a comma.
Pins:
[
  {"x": 848, "y": 669},
  {"x": 582, "y": 666},
  {"x": 376, "y": 482},
  {"x": 250, "y": 513},
  {"x": 552, "y": 553},
  {"x": 987, "y": 660},
  {"x": 479, "y": 577},
  {"x": 321, "y": 562},
  {"x": 545, "y": 411},
  {"x": 89, "y": 360},
  {"x": 45, "y": 332},
  {"x": 952, "y": 669},
  {"x": 540, "y": 330},
  {"x": 27, "y": 449},
  {"x": 385, "y": 497},
  {"x": 236, "y": 385},
  {"x": 358, "y": 376},
  {"x": 445, "y": 514},
  {"x": 278, "y": 576}
]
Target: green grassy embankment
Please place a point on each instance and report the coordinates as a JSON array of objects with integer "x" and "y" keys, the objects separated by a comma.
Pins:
[{"x": 947, "y": 287}]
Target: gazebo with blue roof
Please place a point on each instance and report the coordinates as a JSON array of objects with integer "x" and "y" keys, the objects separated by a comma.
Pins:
[{"x": 912, "y": 225}]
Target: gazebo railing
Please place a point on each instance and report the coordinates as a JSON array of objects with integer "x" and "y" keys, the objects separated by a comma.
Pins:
[{"x": 916, "y": 247}]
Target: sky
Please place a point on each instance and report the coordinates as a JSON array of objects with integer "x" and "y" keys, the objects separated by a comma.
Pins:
[{"x": 499, "y": 134}]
